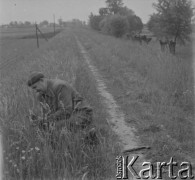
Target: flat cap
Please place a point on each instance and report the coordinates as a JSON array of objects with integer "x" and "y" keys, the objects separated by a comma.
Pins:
[{"x": 34, "y": 77}]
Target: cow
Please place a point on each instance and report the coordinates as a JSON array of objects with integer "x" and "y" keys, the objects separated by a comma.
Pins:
[
  {"x": 128, "y": 36},
  {"x": 172, "y": 45},
  {"x": 146, "y": 39},
  {"x": 137, "y": 38},
  {"x": 141, "y": 38},
  {"x": 163, "y": 44}
]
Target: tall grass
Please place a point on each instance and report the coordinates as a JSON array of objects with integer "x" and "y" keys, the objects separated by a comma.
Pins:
[
  {"x": 27, "y": 152},
  {"x": 155, "y": 90}
]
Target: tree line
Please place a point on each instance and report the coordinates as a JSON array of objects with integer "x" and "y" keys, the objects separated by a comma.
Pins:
[
  {"x": 171, "y": 24},
  {"x": 43, "y": 23},
  {"x": 115, "y": 19}
]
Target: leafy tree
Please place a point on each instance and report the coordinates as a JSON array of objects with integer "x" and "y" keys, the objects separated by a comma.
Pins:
[
  {"x": 118, "y": 25},
  {"x": 173, "y": 19},
  {"x": 60, "y": 21},
  {"x": 11, "y": 23},
  {"x": 104, "y": 11},
  {"x": 27, "y": 23},
  {"x": 154, "y": 25},
  {"x": 115, "y": 19},
  {"x": 44, "y": 23},
  {"x": 114, "y": 5},
  {"x": 77, "y": 22},
  {"x": 20, "y": 24},
  {"x": 125, "y": 11},
  {"x": 94, "y": 21},
  {"x": 135, "y": 23},
  {"x": 104, "y": 25}
]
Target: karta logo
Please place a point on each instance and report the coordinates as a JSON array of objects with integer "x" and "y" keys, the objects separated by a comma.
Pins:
[{"x": 149, "y": 170}]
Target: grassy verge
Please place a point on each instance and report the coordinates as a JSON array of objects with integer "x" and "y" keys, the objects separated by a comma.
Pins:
[
  {"x": 154, "y": 89},
  {"x": 27, "y": 153}
]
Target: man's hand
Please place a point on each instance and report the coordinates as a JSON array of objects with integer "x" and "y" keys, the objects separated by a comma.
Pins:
[
  {"x": 45, "y": 108},
  {"x": 34, "y": 119},
  {"x": 35, "y": 123},
  {"x": 32, "y": 116},
  {"x": 50, "y": 118}
]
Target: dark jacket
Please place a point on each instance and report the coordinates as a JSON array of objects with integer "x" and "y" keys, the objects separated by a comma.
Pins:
[{"x": 61, "y": 99}]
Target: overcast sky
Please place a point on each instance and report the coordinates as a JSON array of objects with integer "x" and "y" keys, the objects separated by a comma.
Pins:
[{"x": 39, "y": 10}]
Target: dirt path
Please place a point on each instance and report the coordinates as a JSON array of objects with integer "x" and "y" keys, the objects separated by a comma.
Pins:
[
  {"x": 1, "y": 159},
  {"x": 116, "y": 116}
]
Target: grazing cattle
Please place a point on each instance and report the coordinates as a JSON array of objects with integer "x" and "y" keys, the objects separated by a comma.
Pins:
[
  {"x": 163, "y": 44},
  {"x": 141, "y": 38},
  {"x": 137, "y": 38},
  {"x": 128, "y": 36},
  {"x": 172, "y": 45},
  {"x": 146, "y": 39}
]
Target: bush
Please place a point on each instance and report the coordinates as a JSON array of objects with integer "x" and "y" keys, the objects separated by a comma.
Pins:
[
  {"x": 115, "y": 25},
  {"x": 119, "y": 25},
  {"x": 104, "y": 25},
  {"x": 135, "y": 23},
  {"x": 94, "y": 21}
]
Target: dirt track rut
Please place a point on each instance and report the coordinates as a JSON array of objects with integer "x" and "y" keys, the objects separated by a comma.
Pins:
[{"x": 116, "y": 116}]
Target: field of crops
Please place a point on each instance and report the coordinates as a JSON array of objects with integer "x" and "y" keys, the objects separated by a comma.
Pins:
[
  {"x": 153, "y": 89},
  {"x": 22, "y": 32},
  {"x": 15, "y": 43}
]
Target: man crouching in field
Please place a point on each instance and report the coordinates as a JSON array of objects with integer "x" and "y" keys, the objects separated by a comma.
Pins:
[{"x": 60, "y": 103}]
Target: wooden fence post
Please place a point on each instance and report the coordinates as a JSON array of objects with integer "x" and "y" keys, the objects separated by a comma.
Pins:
[
  {"x": 42, "y": 34},
  {"x": 37, "y": 36},
  {"x": 54, "y": 25}
]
